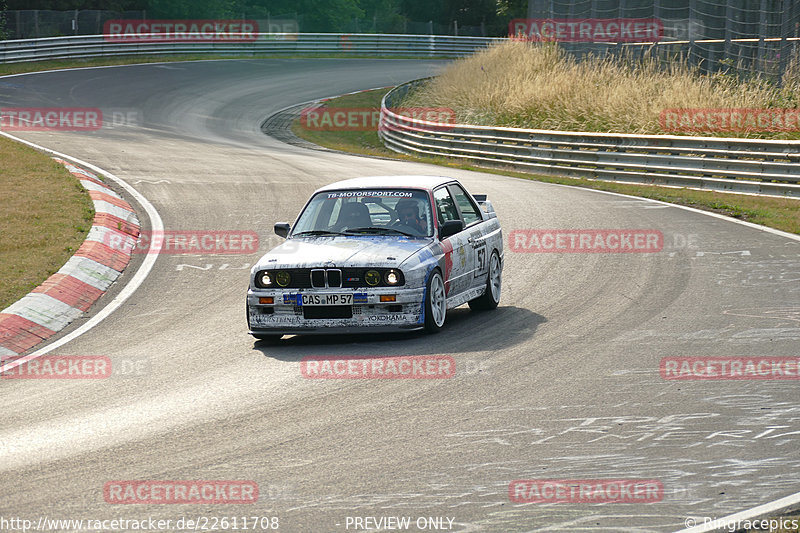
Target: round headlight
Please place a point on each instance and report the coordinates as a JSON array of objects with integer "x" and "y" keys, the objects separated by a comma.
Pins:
[
  {"x": 265, "y": 279},
  {"x": 372, "y": 277},
  {"x": 283, "y": 278},
  {"x": 392, "y": 278}
]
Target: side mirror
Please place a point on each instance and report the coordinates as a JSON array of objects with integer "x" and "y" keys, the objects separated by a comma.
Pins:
[
  {"x": 282, "y": 229},
  {"x": 449, "y": 228}
]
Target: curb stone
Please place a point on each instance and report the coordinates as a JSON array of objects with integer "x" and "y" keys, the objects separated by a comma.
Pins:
[{"x": 84, "y": 278}]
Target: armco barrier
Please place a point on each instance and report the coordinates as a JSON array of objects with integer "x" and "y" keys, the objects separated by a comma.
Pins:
[
  {"x": 767, "y": 167},
  {"x": 84, "y": 46}
]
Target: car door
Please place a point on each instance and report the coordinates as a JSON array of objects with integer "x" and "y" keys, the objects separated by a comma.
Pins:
[
  {"x": 457, "y": 249},
  {"x": 477, "y": 250}
]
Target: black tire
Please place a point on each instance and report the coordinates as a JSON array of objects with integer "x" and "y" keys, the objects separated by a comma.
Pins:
[
  {"x": 435, "y": 312},
  {"x": 491, "y": 298}
]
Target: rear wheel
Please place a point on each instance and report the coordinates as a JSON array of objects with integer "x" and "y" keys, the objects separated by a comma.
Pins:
[
  {"x": 494, "y": 283},
  {"x": 435, "y": 303}
]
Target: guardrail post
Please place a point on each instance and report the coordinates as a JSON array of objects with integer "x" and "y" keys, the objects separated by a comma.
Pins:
[{"x": 724, "y": 164}]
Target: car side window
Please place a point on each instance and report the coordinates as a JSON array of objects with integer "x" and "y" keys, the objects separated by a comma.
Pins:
[
  {"x": 469, "y": 210},
  {"x": 445, "y": 207}
]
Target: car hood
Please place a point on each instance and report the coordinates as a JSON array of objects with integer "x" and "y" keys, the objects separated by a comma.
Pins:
[{"x": 350, "y": 251}]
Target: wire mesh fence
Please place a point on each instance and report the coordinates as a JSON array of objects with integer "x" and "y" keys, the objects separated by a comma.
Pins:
[
  {"x": 35, "y": 23},
  {"x": 743, "y": 36}
]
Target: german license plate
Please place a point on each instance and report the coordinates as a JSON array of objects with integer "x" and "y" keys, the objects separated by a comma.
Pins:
[{"x": 327, "y": 299}]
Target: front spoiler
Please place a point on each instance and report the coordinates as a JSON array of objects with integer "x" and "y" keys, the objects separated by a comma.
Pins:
[
  {"x": 337, "y": 330},
  {"x": 372, "y": 316}
]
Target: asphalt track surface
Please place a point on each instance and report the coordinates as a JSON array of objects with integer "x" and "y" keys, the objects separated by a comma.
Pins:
[{"x": 560, "y": 382}]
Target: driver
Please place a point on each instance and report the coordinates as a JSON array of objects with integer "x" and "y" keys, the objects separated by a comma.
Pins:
[{"x": 408, "y": 215}]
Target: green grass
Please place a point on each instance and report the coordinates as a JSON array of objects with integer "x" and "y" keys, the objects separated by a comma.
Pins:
[
  {"x": 778, "y": 213},
  {"x": 38, "y": 66},
  {"x": 45, "y": 215}
]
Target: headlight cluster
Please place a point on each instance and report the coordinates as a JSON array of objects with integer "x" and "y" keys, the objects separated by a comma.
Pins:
[
  {"x": 389, "y": 277},
  {"x": 350, "y": 278},
  {"x": 266, "y": 279}
]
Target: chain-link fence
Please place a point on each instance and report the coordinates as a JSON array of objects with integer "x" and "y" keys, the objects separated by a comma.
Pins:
[
  {"x": 744, "y": 36},
  {"x": 35, "y": 23}
]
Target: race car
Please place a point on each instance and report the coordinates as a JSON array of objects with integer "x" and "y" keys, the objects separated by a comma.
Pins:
[{"x": 378, "y": 254}]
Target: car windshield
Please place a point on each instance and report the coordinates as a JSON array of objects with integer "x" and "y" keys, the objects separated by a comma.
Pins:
[{"x": 367, "y": 212}]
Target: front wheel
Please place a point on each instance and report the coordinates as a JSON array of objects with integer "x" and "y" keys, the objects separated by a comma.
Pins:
[
  {"x": 494, "y": 283},
  {"x": 435, "y": 303}
]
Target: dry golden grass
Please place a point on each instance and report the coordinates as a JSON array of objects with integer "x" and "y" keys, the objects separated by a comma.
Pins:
[
  {"x": 780, "y": 213},
  {"x": 537, "y": 85},
  {"x": 44, "y": 216}
]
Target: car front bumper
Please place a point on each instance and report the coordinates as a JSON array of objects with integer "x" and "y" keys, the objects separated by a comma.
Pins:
[{"x": 367, "y": 313}]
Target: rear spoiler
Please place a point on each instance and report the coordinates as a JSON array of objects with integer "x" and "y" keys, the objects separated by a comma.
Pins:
[{"x": 485, "y": 204}]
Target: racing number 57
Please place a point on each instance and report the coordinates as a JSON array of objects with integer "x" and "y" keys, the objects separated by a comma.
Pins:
[{"x": 481, "y": 255}]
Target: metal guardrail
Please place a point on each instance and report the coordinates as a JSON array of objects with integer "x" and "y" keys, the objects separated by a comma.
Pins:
[
  {"x": 84, "y": 46},
  {"x": 767, "y": 167}
]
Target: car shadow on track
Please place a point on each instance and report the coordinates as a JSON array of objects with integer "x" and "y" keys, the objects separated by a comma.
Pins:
[{"x": 464, "y": 331}]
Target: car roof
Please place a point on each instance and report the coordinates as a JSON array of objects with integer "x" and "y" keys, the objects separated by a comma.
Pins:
[{"x": 415, "y": 182}]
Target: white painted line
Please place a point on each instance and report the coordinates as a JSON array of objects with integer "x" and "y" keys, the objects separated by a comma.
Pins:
[
  {"x": 156, "y": 224},
  {"x": 726, "y": 523},
  {"x": 692, "y": 209}
]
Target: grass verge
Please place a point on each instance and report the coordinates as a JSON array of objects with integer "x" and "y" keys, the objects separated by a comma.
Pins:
[
  {"x": 38, "y": 66},
  {"x": 45, "y": 215},
  {"x": 540, "y": 86},
  {"x": 778, "y": 213}
]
